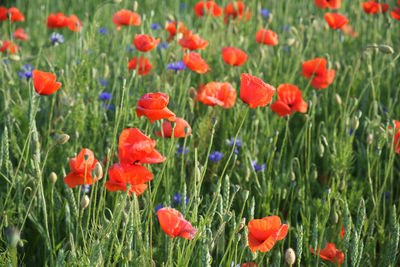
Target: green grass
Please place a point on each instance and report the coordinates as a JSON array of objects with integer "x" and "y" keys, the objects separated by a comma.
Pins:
[{"x": 317, "y": 178}]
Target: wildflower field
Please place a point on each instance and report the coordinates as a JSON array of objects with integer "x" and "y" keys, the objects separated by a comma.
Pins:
[{"x": 199, "y": 133}]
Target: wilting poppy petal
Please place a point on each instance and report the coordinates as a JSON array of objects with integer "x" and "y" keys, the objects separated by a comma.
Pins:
[
  {"x": 144, "y": 65},
  {"x": 145, "y": 42},
  {"x": 173, "y": 223},
  {"x": 135, "y": 147},
  {"x": 193, "y": 42},
  {"x": 263, "y": 233},
  {"x": 126, "y": 17},
  {"x": 254, "y": 92},
  {"x": 267, "y": 37},
  {"x": 290, "y": 99},
  {"x": 330, "y": 253},
  {"x": 348, "y": 29},
  {"x": 208, "y": 8},
  {"x": 217, "y": 93},
  {"x": 234, "y": 56},
  {"x": 336, "y": 21},
  {"x": 182, "y": 129},
  {"x": 45, "y": 82},
  {"x": 194, "y": 62}
]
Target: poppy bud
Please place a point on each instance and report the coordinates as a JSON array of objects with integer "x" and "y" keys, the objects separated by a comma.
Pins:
[
  {"x": 356, "y": 123},
  {"x": 358, "y": 113},
  {"x": 335, "y": 217},
  {"x": 320, "y": 149},
  {"x": 314, "y": 174},
  {"x": 53, "y": 177},
  {"x": 227, "y": 216},
  {"x": 290, "y": 41},
  {"x": 85, "y": 202},
  {"x": 284, "y": 193},
  {"x": 135, "y": 7},
  {"x": 62, "y": 139},
  {"x": 245, "y": 194},
  {"x": 97, "y": 171},
  {"x": 5, "y": 221},
  {"x": 290, "y": 256},
  {"x": 15, "y": 57},
  {"x": 338, "y": 99},
  {"x": 292, "y": 176},
  {"x": 385, "y": 49},
  {"x": 242, "y": 223},
  {"x": 236, "y": 188},
  {"x": 337, "y": 65},
  {"x": 370, "y": 138}
]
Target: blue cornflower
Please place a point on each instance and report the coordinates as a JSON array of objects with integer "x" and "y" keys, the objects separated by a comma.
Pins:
[
  {"x": 216, "y": 156},
  {"x": 264, "y": 13},
  {"x": 159, "y": 207},
  {"x": 386, "y": 195},
  {"x": 162, "y": 46},
  {"x": 351, "y": 132},
  {"x": 102, "y": 31},
  {"x": 285, "y": 28},
  {"x": 56, "y": 38},
  {"x": 129, "y": 48},
  {"x": 155, "y": 26},
  {"x": 109, "y": 107},
  {"x": 85, "y": 188},
  {"x": 231, "y": 141},
  {"x": 233, "y": 264},
  {"x": 105, "y": 96},
  {"x": 183, "y": 6},
  {"x": 176, "y": 66},
  {"x": 178, "y": 199},
  {"x": 179, "y": 150},
  {"x": 88, "y": 52},
  {"x": 258, "y": 167},
  {"x": 103, "y": 81},
  {"x": 26, "y": 73}
]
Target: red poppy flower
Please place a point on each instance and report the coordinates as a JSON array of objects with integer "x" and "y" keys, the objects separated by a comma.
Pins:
[
  {"x": 117, "y": 183},
  {"x": 45, "y": 82},
  {"x": 173, "y": 223},
  {"x": 144, "y": 42},
  {"x": 10, "y": 47},
  {"x": 182, "y": 129},
  {"x": 123, "y": 174},
  {"x": 235, "y": 10},
  {"x": 81, "y": 169},
  {"x": 171, "y": 28},
  {"x": 144, "y": 65},
  {"x": 3, "y": 13},
  {"x": 254, "y": 92},
  {"x": 267, "y": 37},
  {"x": 58, "y": 20},
  {"x": 263, "y": 233},
  {"x": 384, "y": 7},
  {"x": 194, "y": 62},
  {"x": 217, "y": 93},
  {"x": 250, "y": 264},
  {"x": 396, "y": 141},
  {"x": 336, "y": 21},
  {"x": 330, "y": 253},
  {"x": 371, "y": 7},
  {"x": 342, "y": 232},
  {"x": 290, "y": 99},
  {"x": 395, "y": 13},
  {"x": 20, "y": 34},
  {"x": 154, "y": 107},
  {"x": 126, "y": 17},
  {"x": 332, "y": 4},
  {"x": 135, "y": 147},
  {"x": 322, "y": 76},
  {"x": 74, "y": 24},
  {"x": 12, "y": 12},
  {"x": 210, "y": 8},
  {"x": 193, "y": 42},
  {"x": 234, "y": 56}
]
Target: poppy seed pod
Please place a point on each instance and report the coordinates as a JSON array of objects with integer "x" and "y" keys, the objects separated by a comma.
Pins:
[
  {"x": 85, "y": 202},
  {"x": 97, "y": 171},
  {"x": 290, "y": 256},
  {"x": 338, "y": 99},
  {"x": 62, "y": 139},
  {"x": 53, "y": 177},
  {"x": 356, "y": 123}
]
